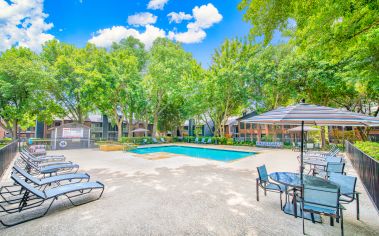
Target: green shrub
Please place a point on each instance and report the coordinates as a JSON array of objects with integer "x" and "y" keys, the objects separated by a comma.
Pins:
[
  {"x": 370, "y": 148},
  {"x": 135, "y": 140}
]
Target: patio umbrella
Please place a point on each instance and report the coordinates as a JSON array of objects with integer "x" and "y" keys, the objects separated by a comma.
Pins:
[
  {"x": 308, "y": 114},
  {"x": 306, "y": 129},
  {"x": 298, "y": 130},
  {"x": 140, "y": 130}
]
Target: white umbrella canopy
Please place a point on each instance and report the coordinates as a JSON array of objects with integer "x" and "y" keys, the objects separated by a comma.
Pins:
[{"x": 306, "y": 128}]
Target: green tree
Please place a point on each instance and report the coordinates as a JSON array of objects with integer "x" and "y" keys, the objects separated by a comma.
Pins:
[
  {"x": 23, "y": 84},
  {"x": 167, "y": 67},
  {"x": 225, "y": 90},
  {"x": 340, "y": 36},
  {"x": 71, "y": 69},
  {"x": 134, "y": 104}
]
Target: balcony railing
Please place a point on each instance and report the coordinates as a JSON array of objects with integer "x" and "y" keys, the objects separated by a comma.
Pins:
[{"x": 96, "y": 129}]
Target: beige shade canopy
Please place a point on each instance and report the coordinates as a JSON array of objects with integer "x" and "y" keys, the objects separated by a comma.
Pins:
[
  {"x": 140, "y": 130},
  {"x": 306, "y": 128}
]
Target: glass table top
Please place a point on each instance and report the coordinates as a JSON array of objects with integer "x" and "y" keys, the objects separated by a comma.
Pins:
[{"x": 293, "y": 179}]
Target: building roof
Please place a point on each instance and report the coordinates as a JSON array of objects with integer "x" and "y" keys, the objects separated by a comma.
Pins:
[
  {"x": 233, "y": 120},
  {"x": 247, "y": 116},
  {"x": 71, "y": 125}
]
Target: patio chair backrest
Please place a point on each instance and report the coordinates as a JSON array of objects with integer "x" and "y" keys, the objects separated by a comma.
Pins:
[
  {"x": 321, "y": 196},
  {"x": 262, "y": 173},
  {"x": 347, "y": 183},
  {"x": 335, "y": 167},
  {"x": 335, "y": 152},
  {"x": 333, "y": 148},
  {"x": 154, "y": 140},
  {"x": 203, "y": 140},
  {"x": 28, "y": 187},
  {"x": 209, "y": 140},
  {"x": 196, "y": 139},
  {"x": 21, "y": 171},
  {"x": 162, "y": 139},
  {"x": 28, "y": 162},
  {"x": 334, "y": 159}
]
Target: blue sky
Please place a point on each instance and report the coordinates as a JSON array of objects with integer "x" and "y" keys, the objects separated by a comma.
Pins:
[{"x": 202, "y": 26}]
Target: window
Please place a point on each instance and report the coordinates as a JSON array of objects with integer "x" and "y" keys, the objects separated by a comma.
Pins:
[
  {"x": 248, "y": 126},
  {"x": 242, "y": 125}
]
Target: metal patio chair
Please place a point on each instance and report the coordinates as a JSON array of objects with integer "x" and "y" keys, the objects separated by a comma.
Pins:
[
  {"x": 34, "y": 198},
  {"x": 331, "y": 167},
  {"x": 46, "y": 169},
  {"x": 196, "y": 140},
  {"x": 155, "y": 141},
  {"x": 324, "y": 201},
  {"x": 44, "y": 158},
  {"x": 347, "y": 187},
  {"x": 264, "y": 182},
  {"x": 39, "y": 159},
  {"x": 9, "y": 193}
]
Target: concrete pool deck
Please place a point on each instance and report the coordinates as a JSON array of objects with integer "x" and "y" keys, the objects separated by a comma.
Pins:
[{"x": 182, "y": 195}]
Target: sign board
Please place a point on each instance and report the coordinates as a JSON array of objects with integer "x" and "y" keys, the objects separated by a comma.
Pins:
[{"x": 72, "y": 133}]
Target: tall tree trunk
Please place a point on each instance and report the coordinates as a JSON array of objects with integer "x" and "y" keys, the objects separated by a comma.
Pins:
[
  {"x": 274, "y": 133},
  {"x": 155, "y": 126},
  {"x": 14, "y": 130},
  {"x": 119, "y": 130},
  {"x": 130, "y": 125},
  {"x": 322, "y": 136}
]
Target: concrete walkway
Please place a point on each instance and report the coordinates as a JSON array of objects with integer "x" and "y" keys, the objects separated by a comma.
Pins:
[{"x": 185, "y": 196}]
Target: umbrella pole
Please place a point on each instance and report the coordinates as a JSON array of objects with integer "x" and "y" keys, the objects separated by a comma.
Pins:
[
  {"x": 301, "y": 173},
  {"x": 301, "y": 152}
]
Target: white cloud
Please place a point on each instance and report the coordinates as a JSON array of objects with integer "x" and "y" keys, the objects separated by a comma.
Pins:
[
  {"x": 178, "y": 17},
  {"x": 141, "y": 19},
  {"x": 205, "y": 17},
  {"x": 156, "y": 4},
  {"x": 105, "y": 37},
  {"x": 191, "y": 36},
  {"x": 22, "y": 23}
]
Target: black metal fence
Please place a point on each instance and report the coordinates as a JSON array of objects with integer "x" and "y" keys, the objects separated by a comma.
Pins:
[
  {"x": 368, "y": 170},
  {"x": 7, "y": 154}
]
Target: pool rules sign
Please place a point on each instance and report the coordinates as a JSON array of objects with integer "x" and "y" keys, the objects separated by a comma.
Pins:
[{"x": 72, "y": 133}]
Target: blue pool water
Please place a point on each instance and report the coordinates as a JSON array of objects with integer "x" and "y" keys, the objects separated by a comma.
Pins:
[{"x": 208, "y": 153}]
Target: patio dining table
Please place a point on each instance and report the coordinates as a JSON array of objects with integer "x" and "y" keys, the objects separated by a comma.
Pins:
[{"x": 292, "y": 180}]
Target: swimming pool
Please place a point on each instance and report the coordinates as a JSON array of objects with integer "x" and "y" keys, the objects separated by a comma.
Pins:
[{"x": 208, "y": 153}]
